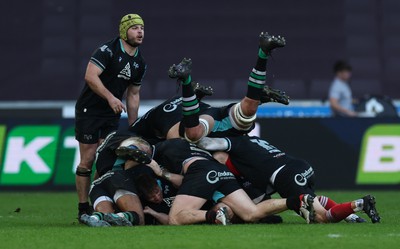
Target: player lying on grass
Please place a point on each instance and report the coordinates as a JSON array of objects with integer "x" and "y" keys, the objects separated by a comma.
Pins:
[
  {"x": 271, "y": 170},
  {"x": 164, "y": 120},
  {"x": 115, "y": 189},
  {"x": 203, "y": 175},
  {"x": 235, "y": 119},
  {"x": 158, "y": 194}
]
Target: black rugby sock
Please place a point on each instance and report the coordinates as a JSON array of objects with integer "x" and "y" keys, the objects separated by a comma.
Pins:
[
  {"x": 84, "y": 208},
  {"x": 257, "y": 77},
  {"x": 190, "y": 105},
  {"x": 210, "y": 216},
  {"x": 293, "y": 203}
]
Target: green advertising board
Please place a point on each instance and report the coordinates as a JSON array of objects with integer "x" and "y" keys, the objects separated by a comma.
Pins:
[{"x": 380, "y": 155}]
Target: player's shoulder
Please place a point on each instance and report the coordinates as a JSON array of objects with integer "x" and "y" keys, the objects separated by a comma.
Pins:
[{"x": 110, "y": 47}]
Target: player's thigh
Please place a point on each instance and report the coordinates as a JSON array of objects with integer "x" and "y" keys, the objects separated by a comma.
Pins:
[
  {"x": 185, "y": 202},
  {"x": 105, "y": 206},
  {"x": 240, "y": 203},
  {"x": 128, "y": 201}
]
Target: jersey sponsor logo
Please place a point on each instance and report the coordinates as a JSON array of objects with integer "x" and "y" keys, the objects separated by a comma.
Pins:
[
  {"x": 214, "y": 176},
  {"x": 171, "y": 106},
  {"x": 301, "y": 179},
  {"x": 105, "y": 48},
  {"x": 126, "y": 72},
  {"x": 264, "y": 144},
  {"x": 380, "y": 155}
]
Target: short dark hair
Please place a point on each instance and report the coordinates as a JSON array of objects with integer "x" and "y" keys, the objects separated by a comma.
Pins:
[
  {"x": 341, "y": 65},
  {"x": 146, "y": 185}
]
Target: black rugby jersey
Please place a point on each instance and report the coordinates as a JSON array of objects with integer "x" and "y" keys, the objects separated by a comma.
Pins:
[
  {"x": 119, "y": 71},
  {"x": 159, "y": 120},
  {"x": 172, "y": 153},
  {"x": 255, "y": 159},
  {"x": 106, "y": 157}
]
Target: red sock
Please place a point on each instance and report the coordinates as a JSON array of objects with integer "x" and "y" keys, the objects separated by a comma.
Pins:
[
  {"x": 339, "y": 212},
  {"x": 326, "y": 202}
]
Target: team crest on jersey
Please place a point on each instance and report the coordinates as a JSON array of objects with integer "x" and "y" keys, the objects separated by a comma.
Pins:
[
  {"x": 135, "y": 65},
  {"x": 126, "y": 72}
]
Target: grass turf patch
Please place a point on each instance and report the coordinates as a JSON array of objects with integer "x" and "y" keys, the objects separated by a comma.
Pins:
[{"x": 48, "y": 220}]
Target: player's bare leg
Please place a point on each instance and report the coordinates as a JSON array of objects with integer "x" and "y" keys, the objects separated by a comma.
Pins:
[
  {"x": 130, "y": 203},
  {"x": 83, "y": 174},
  {"x": 185, "y": 210}
]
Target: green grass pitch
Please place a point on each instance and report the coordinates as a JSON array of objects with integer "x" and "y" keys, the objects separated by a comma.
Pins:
[{"x": 47, "y": 220}]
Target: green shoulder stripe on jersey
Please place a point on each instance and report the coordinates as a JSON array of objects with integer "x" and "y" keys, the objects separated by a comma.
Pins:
[
  {"x": 97, "y": 63},
  {"x": 122, "y": 46}
]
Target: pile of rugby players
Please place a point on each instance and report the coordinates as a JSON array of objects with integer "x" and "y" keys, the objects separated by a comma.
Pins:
[{"x": 186, "y": 162}]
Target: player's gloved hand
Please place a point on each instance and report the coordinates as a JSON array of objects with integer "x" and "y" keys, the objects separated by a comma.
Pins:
[{"x": 116, "y": 105}]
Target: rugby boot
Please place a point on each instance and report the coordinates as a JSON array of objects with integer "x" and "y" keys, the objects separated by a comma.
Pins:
[
  {"x": 306, "y": 208},
  {"x": 93, "y": 222},
  {"x": 222, "y": 216},
  {"x": 133, "y": 153},
  {"x": 269, "y": 42},
  {"x": 269, "y": 94},
  {"x": 181, "y": 71},
  {"x": 353, "y": 218},
  {"x": 370, "y": 209},
  {"x": 202, "y": 91},
  {"x": 117, "y": 220}
]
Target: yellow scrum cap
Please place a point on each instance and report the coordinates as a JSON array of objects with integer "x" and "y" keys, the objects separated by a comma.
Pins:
[{"x": 128, "y": 21}]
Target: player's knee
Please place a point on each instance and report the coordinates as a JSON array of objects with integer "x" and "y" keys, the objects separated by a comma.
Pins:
[
  {"x": 83, "y": 171},
  {"x": 194, "y": 134},
  {"x": 239, "y": 120}
]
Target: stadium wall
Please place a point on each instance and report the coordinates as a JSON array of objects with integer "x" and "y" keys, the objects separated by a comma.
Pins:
[{"x": 46, "y": 49}]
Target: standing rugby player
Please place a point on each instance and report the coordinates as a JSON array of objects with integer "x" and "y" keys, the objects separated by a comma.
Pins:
[{"x": 115, "y": 68}]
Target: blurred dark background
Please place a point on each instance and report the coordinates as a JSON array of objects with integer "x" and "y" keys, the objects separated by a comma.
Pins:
[{"x": 46, "y": 44}]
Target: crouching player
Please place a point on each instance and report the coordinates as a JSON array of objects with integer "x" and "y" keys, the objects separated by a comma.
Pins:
[{"x": 115, "y": 189}]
